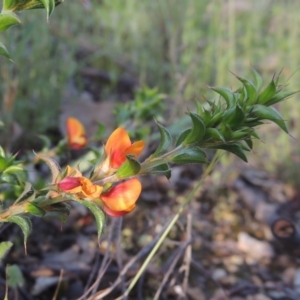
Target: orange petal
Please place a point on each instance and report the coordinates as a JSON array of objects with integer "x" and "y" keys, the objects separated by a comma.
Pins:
[
  {"x": 123, "y": 196},
  {"x": 89, "y": 189},
  {"x": 135, "y": 149},
  {"x": 76, "y": 134},
  {"x": 116, "y": 144}
]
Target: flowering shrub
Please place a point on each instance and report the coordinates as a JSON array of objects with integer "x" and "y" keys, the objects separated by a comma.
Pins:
[{"x": 112, "y": 188}]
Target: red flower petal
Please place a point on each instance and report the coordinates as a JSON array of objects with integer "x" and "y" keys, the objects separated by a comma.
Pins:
[{"x": 69, "y": 183}]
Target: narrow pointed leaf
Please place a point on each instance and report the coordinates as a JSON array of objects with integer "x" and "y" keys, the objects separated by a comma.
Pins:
[
  {"x": 239, "y": 134},
  {"x": 24, "y": 223},
  {"x": 163, "y": 169},
  {"x": 251, "y": 90},
  {"x": 280, "y": 96},
  {"x": 249, "y": 142},
  {"x": 233, "y": 148},
  {"x": 165, "y": 140},
  {"x": 183, "y": 135},
  {"x": 199, "y": 108},
  {"x": 98, "y": 214},
  {"x": 4, "y": 52},
  {"x": 4, "y": 248},
  {"x": 190, "y": 155},
  {"x": 8, "y": 19},
  {"x": 269, "y": 113},
  {"x": 214, "y": 135},
  {"x": 198, "y": 130},
  {"x": 267, "y": 93},
  {"x": 227, "y": 94},
  {"x": 258, "y": 79},
  {"x": 14, "y": 169},
  {"x": 215, "y": 120},
  {"x": 28, "y": 194},
  {"x": 234, "y": 117},
  {"x": 49, "y": 6},
  {"x": 3, "y": 164}
]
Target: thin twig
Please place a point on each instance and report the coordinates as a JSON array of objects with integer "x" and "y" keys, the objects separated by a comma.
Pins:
[
  {"x": 142, "y": 253},
  {"x": 58, "y": 284},
  {"x": 188, "y": 255},
  {"x": 171, "y": 269},
  {"x": 119, "y": 250},
  {"x": 93, "y": 272},
  {"x": 104, "y": 265}
]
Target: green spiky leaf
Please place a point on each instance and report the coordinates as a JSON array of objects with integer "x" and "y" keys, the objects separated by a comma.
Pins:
[
  {"x": 28, "y": 194},
  {"x": 165, "y": 141},
  {"x": 258, "y": 79},
  {"x": 4, "y": 52},
  {"x": 25, "y": 225},
  {"x": 191, "y": 154},
  {"x": 280, "y": 96},
  {"x": 214, "y": 134},
  {"x": 269, "y": 113},
  {"x": 227, "y": 94},
  {"x": 267, "y": 93},
  {"x": 8, "y": 19},
  {"x": 233, "y": 148},
  {"x": 197, "y": 132},
  {"x": 251, "y": 90},
  {"x": 163, "y": 169},
  {"x": 4, "y": 248},
  {"x": 98, "y": 214}
]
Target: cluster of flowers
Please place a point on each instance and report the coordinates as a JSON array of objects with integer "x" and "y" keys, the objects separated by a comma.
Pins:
[{"x": 116, "y": 199}]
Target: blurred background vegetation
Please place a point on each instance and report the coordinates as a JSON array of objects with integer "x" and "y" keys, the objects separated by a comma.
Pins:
[{"x": 110, "y": 48}]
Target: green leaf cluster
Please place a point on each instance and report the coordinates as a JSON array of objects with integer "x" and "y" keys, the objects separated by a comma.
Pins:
[
  {"x": 11, "y": 170},
  {"x": 146, "y": 105},
  {"x": 8, "y": 17},
  {"x": 229, "y": 123}
]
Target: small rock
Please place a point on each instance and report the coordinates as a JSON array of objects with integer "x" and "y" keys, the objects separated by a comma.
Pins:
[
  {"x": 254, "y": 248},
  {"x": 219, "y": 274}
]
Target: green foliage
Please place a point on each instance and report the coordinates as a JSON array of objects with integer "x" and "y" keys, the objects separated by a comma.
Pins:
[
  {"x": 147, "y": 104},
  {"x": 11, "y": 170},
  {"x": 164, "y": 141},
  {"x": 191, "y": 154},
  {"x": 7, "y": 20},
  {"x": 24, "y": 223},
  {"x": 129, "y": 168},
  {"x": 98, "y": 214},
  {"x": 231, "y": 127},
  {"x": 4, "y": 248},
  {"x": 14, "y": 276}
]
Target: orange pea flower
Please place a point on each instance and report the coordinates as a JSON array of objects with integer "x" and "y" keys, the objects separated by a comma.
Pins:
[
  {"x": 119, "y": 145},
  {"x": 76, "y": 134},
  {"x": 82, "y": 187},
  {"x": 121, "y": 199}
]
